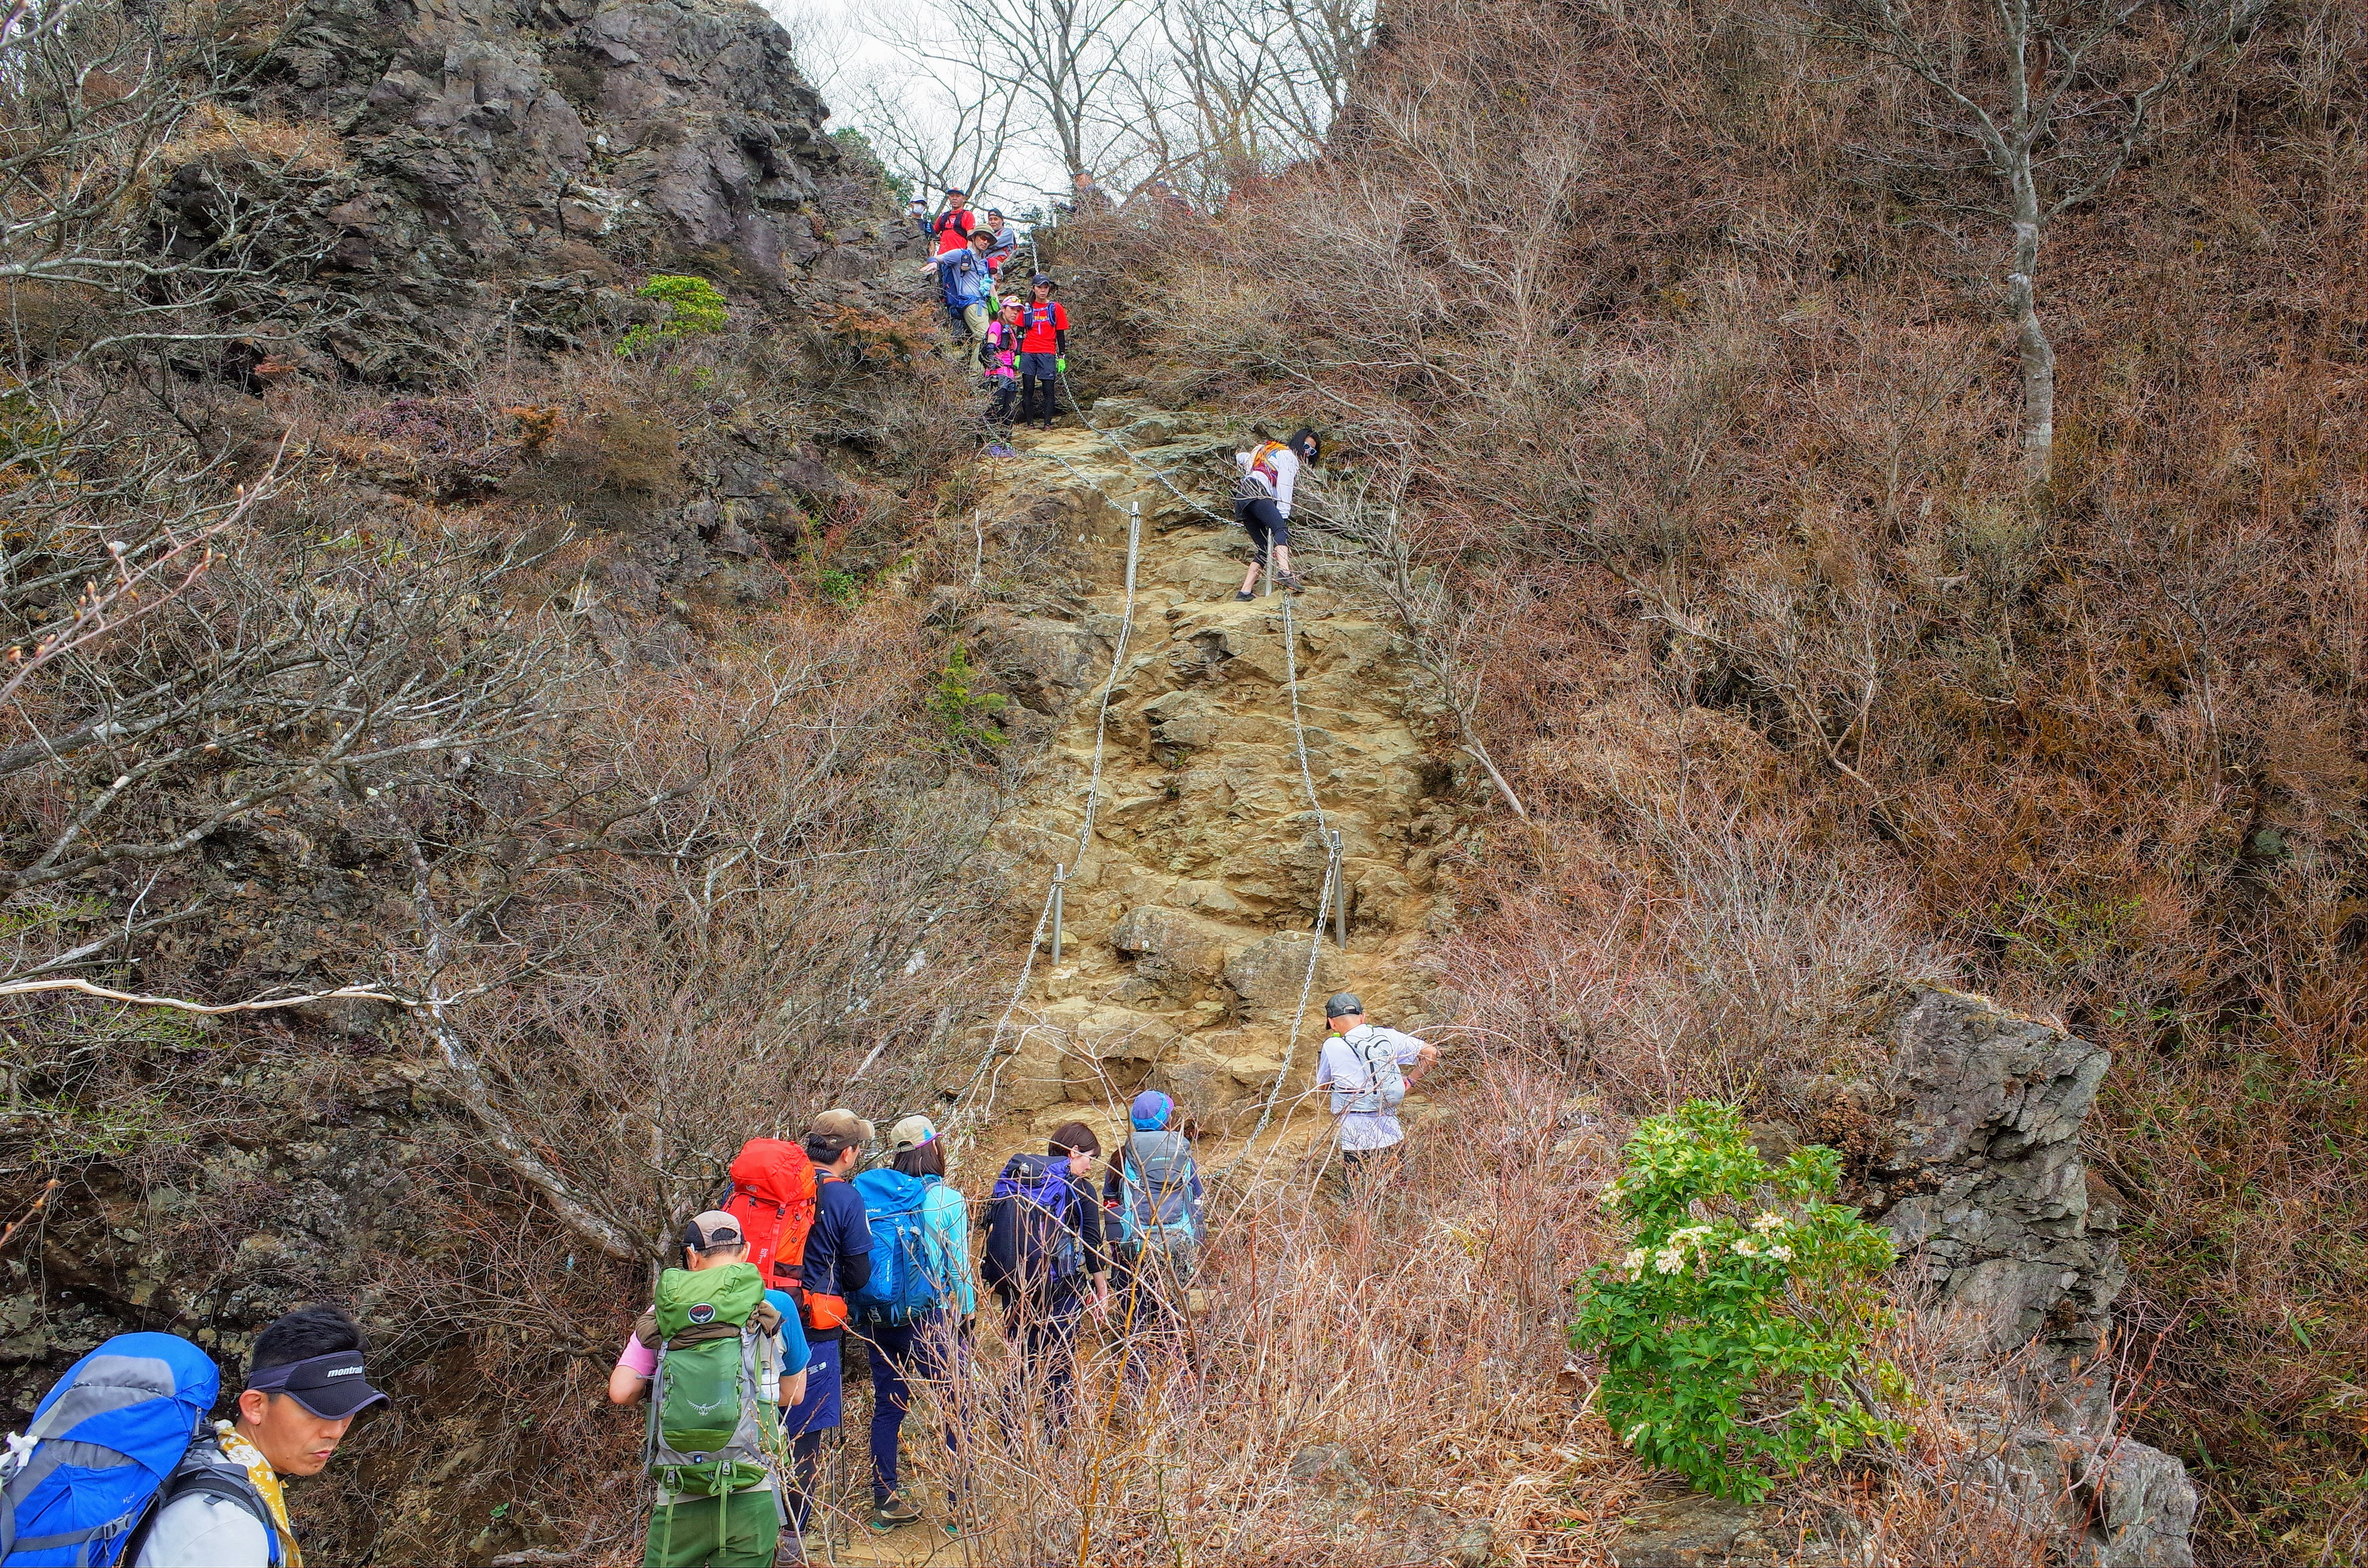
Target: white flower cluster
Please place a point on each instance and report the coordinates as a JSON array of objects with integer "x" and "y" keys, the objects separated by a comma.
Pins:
[
  {"x": 1671, "y": 1255},
  {"x": 1765, "y": 1228}
]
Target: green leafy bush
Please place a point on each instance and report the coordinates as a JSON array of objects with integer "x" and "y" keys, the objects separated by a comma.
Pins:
[
  {"x": 1733, "y": 1331},
  {"x": 693, "y": 307}
]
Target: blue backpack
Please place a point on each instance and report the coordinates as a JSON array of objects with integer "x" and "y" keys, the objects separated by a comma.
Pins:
[
  {"x": 102, "y": 1444},
  {"x": 901, "y": 1287},
  {"x": 1031, "y": 1225}
]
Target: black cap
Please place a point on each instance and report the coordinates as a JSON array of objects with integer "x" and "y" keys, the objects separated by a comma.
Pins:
[
  {"x": 332, "y": 1387},
  {"x": 1341, "y": 1005}
]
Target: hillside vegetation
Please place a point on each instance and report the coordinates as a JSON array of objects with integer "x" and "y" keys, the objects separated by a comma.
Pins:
[{"x": 1673, "y": 348}]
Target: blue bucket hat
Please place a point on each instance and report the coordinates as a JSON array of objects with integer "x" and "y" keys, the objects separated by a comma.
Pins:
[{"x": 1150, "y": 1110}]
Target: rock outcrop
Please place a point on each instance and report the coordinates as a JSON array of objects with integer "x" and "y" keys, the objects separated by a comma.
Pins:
[
  {"x": 2006, "y": 1240},
  {"x": 1189, "y": 914},
  {"x": 503, "y": 160}
]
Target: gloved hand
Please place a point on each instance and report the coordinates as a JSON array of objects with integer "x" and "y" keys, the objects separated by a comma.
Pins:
[{"x": 1062, "y": 365}]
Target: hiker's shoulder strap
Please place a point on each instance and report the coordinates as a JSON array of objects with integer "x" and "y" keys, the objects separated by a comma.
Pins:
[{"x": 202, "y": 1481}]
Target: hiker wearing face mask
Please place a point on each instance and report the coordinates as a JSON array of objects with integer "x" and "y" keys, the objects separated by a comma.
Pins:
[
  {"x": 223, "y": 1506},
  {"x": 1262, "y": 503},
  {"x": 1368, "y": 1070},
  {"x": 1047, "y": 1258}
]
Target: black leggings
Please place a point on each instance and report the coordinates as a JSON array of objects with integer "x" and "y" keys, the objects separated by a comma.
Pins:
[
  {"x": 1264, "y": 523},
  {"x": 1028, "y": 408}
]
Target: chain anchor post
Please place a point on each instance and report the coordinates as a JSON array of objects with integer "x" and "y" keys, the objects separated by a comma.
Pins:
[{"x": 1060, "y": 882}]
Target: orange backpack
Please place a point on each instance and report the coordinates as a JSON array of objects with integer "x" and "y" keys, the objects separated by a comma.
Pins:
[{"x": 773, "y": 1198}]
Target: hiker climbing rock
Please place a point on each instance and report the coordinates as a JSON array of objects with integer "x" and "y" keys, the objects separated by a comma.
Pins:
[
  {"x": 222, "y": 1505},
  {"x": 1047, "y": 1259},
  {"x": 1155, "y": 1190},
  {"x": 1368, "y": 1070},
  {"x": 835, "y": 1264},
  {"x": 918, "y": 212},
  {"x": 912, "y": 1315},
  {"x": 713, "y": 1354},
  {"x": 1262, "y": 503},
  {"x": 967, "y": 283},
  {"x": 1043, "y": 351}
]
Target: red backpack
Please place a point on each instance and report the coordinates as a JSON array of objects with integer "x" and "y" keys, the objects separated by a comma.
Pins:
[{"x": 773, "y": 1198}]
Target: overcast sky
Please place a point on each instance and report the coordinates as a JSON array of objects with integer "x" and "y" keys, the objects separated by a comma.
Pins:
[{"x": 842, "y": 48}]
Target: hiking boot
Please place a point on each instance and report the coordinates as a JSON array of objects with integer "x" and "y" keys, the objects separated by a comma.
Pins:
[
  {"x": 1295, "y": 583},
  {"x": 1244, "y": 596},
  {"x": 894, "y": 1515}
]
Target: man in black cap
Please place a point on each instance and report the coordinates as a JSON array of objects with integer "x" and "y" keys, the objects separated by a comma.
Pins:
[
  {"x": 223, "y": 1506},
  {"x": 1367, "y": 1069}
]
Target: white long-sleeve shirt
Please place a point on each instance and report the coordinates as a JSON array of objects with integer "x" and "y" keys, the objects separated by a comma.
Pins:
[{"x": 1285, "y": 464}]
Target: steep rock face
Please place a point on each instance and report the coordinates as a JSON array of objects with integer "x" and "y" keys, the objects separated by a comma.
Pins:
[
  {"x": 494, "y": 143},
  {"x": 1189, "y": 907}
]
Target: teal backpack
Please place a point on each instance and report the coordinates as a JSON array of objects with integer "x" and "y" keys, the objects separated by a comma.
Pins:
[{"x": 707, "y": 1413}]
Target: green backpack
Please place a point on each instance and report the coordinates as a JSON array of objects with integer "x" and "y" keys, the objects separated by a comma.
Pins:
[{"x": 707, "y": 1415}]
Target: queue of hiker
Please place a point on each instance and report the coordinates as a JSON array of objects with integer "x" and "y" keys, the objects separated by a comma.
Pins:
[
  {"x": 741, "y": 1351},
  {"x": 1014, "y": 338}
]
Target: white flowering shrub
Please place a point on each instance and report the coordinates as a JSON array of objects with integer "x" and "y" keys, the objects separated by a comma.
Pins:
[{"x": 1733, "y": 1331}]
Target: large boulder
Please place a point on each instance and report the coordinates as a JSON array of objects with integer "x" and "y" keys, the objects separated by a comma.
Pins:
[{"x": 1970, "y": 1150}]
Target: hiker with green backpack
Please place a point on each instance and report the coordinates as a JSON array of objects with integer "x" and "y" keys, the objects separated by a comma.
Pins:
[
  {"x": 913, "y": 1314},
  {"x": 714, "y": 1350}
]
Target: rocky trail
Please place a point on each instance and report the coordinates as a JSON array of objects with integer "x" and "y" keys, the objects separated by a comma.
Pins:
[{"x": 1188, "y": 915}]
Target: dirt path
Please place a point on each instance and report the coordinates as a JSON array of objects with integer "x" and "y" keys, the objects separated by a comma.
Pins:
[{"x": 1187, "y": 921}]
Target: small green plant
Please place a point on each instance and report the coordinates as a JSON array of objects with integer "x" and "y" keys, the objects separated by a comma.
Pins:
[
  {"x": 961, "y": 709},
  {"x": 838, "y": 587},
  {"x": 693, "y": 307},
  {"x": 1733, "y": 1330}
]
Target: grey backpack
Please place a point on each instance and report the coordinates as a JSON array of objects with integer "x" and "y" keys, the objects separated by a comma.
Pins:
[{"x": 1158, "y": 1204}]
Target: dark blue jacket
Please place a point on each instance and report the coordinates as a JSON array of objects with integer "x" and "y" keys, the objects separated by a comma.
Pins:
[{"x": 838, "y": 1249}]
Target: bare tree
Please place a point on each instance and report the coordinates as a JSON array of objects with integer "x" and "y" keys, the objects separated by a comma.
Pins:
[
  {"x": 941, "y": 131},
  {"x": 2055, "y": 96},
  {"x": 1066, "y": 59},
  {"x": 1240, "y": 87}
]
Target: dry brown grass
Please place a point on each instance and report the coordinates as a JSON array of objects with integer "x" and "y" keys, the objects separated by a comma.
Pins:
[{"x": 1708, "y": 417}]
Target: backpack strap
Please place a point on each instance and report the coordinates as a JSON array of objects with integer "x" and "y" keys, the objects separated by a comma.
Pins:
[{"x": 197, "y": 1481}]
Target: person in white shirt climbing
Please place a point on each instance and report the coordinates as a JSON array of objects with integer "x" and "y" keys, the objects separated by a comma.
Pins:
[
  {"x": 1262, "y": 503},
  {"x": 1368, "y": 1070}
]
